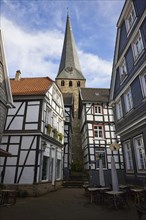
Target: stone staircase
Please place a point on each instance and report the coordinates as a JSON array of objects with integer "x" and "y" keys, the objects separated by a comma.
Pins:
[{"x": 75, "y": 181}]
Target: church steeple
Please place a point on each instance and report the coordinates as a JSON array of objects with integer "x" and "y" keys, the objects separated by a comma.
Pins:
[
  {"x": 69, "y": 65},
  {"x": 69, "y": 80}
]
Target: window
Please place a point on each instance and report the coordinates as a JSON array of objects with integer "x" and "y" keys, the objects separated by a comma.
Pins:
[
  {"x": 62, "y": 83},
  {"x": 143, "y": 84},
  {"x": 58, "y": 172},
  {"x": 48, "y": 116},
  {"x": 70, "y": 83},
  {"x": 130, "y": 19},
  {"x": 140, "y": 154},
  {"x": 128, "y": 156},
  {"x": 119, "y": 110},
  {"x": 137, "y": 46},
  {"x": 97, "y": 109},
  {"x": 98, "y": 131},
  {"x": 45, "y": 173},
  {"x": 54, "y": 121},
  {"x": 123, "y": 71},
  {"x": 78, "y": 84},
  {"x": 100, "y": 154},
  {"x": 128, "y": 101}
]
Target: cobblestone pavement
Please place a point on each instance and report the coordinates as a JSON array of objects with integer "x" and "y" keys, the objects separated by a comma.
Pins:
[{"x": 64, "y": 204}]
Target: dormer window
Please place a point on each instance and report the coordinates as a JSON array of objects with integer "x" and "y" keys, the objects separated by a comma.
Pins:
[
  {"x": 130, "y": 18},
  {"x": 123, "y": 71},
  {"x": 137, "y": 46}
]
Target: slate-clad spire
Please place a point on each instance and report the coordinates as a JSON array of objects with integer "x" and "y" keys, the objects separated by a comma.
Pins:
[{"x": 69, "y": 65}]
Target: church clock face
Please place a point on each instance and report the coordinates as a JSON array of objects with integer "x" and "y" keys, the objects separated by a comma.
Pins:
[{"x": 69, "y": 69}]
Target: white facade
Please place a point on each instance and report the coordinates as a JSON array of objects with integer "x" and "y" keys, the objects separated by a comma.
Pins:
[
  {"x": 98, "y": 133},
  {"x": 34, "y": 136}
]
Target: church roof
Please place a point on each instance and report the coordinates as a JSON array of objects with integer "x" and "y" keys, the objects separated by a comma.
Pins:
[
  {"x": 94, "y": 94},
  {"x": 69, "y": 65},
  {"x": 30, "y": 86}
]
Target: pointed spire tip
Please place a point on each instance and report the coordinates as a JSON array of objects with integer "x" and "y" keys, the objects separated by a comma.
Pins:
[{"x": 67, "y": 11}]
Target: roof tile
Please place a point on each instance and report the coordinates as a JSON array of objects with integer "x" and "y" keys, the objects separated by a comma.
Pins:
[
  {"x": 30, "y": 86},
  {"x": 95, "y": 94}
]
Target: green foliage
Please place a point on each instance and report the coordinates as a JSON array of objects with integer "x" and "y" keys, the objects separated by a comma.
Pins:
[
  {"x": 49, "y": 129},
  {"x": 60, "y": 137},
  {"x": 77, "y": 166},
  {"x": 55, "y": 133}
]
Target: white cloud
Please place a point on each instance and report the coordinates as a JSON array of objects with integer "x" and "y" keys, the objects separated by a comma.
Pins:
[
  {"x": 39, "y": 55},
  {"x": 33, "y": 54},
  {"x": 98, "y": 71}
]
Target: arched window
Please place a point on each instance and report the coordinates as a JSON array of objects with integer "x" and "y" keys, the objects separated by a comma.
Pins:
[
  {"x": 78, "y": 84},
  {"x": 70, "y": 83},
  {"x": 62, "y": 83}
]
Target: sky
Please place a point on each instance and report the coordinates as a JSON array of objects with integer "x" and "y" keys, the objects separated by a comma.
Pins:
[{"x": 33, "y": 35}]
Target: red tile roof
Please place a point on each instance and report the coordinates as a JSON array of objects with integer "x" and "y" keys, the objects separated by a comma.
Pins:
[{"x": 30, "y": 86}]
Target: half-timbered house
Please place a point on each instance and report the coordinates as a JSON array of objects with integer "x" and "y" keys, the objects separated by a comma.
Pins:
[
  {"x": 98, "y": 133},
  {"x": 34, "y": 134},
  {"x": 128, "y": 89}
]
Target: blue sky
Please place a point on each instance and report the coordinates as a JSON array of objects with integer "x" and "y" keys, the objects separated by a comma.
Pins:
[{"x": 33, "y": 33}]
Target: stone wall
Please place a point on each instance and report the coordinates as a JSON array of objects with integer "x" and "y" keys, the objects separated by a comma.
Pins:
[
  {"x": 76, "y": 136},
  {"x": 35, "y": 190}
]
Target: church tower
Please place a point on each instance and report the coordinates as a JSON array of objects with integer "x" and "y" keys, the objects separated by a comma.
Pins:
[{"x": 70, "y": 79}]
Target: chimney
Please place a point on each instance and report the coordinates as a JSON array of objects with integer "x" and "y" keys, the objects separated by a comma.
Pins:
[{"x": 18, "y": 75}]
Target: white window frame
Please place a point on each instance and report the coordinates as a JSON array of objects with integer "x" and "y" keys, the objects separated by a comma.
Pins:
[
  {"x": 128, "y": 100},
  {"x": 130, "y": 18},
  {"x": 123, "y": 71},
  {"x": 48, "y": 119},
  {"x": 98, "y": 131},
  {"x": 140, "y": 154},
  {"x": 137, "y": 46},
  {"x": 46, "y": 176},
  {"x": 119, "y": 110},
  {"x": 55, "y": 121},
  {"x": 143, "y": 84},
  {"x": 58, "y": 169},
  {"x": 128, "y": 156},
  {"x": 97, "y": 109}
]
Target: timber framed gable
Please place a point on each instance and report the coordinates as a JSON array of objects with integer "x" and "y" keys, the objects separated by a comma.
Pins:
[
  {"x": 37, "y": 153},
  {"x": 98, "y": 133}
]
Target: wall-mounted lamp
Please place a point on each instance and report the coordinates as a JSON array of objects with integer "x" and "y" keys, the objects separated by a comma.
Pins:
[
  {"x": 114, "y": 146},
  {"x": 44, "y": 145}
]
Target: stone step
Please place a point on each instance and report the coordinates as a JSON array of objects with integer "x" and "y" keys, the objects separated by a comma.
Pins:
[{"x": 73, "y": 184}]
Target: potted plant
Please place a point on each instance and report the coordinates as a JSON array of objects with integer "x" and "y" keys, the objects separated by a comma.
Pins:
[
  {"x": 49, "y": 129},
  {"x": 60, "y": 137},
  {"x": 55, "y": 133}
]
